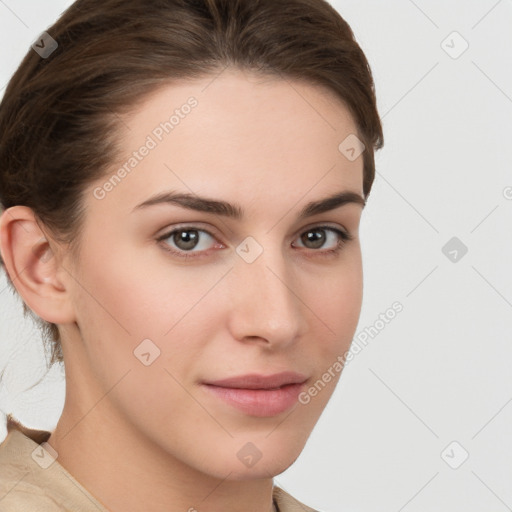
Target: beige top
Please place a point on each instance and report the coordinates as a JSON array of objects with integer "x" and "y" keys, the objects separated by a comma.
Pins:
[{"x": 27, "y": 486}]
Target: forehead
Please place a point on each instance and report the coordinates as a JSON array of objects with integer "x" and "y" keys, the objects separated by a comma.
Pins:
[{"x": 235, "y": 134}]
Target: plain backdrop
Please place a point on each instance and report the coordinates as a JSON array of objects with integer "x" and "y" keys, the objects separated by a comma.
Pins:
[{"x": 422, "y": 416}]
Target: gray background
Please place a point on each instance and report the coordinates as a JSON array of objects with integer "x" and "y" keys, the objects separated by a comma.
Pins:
[{"x": 439, "y": 372}]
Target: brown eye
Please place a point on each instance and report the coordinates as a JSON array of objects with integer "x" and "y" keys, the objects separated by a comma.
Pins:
[
  {"x": 184, "y": 240},
  {"x": 316, "y": 238}
]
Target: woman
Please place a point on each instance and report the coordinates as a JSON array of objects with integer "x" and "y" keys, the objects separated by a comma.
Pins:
[{"x": 183, "y": 183}]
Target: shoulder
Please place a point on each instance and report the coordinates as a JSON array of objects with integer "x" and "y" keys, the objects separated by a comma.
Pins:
[
  {"x": 287, "y": 503},
  {"x": 25, "y": 486},
  {"x": 18, "y": 491}
]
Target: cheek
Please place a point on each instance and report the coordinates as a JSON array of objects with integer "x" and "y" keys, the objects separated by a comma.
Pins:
[
  {"x": 336, "y": 305},
  {"x": 126, "y": 310},
  {"x": 335, "y": 299},
  {"x": 349, "y": 299},
  {"x": 124, "y": 300},
  {"x": 131, "y": 292}
]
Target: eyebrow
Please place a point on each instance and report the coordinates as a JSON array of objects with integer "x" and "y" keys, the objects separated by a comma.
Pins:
[{"x": 235, "y": 211}]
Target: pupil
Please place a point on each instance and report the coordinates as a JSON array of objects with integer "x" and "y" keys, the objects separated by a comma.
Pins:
[
  {"x": 316, "y": 236},
  {"x": 188, "y": 240}
]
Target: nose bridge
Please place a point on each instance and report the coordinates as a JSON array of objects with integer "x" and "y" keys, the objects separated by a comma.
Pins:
[{"x": 264, "y": 296}]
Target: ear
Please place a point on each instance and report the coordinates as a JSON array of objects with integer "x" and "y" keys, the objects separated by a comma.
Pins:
[{"x": 33, "y": 267}]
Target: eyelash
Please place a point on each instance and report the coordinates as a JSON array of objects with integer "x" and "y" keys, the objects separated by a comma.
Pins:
[{"x": 344, "y": 237}]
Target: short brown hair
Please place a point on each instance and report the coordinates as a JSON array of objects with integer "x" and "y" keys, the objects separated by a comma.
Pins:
[{"x": 59, "y": 115}]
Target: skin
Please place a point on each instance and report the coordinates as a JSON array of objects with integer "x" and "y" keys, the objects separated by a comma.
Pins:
[{"x": 133, "y": 434}]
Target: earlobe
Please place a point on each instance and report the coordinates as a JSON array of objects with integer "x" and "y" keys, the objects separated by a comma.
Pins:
[{"x": 32, "y": 265}]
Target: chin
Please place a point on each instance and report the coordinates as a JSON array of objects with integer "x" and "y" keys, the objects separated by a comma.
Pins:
[{"x": 258, "y": 460}]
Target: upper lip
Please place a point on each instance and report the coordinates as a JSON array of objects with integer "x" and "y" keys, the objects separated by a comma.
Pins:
[{"x": 256, "y": 381}]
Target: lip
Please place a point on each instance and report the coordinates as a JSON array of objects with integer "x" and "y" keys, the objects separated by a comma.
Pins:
[
  {"x": 259, "y": 395},
  {"x": 258, "y": 402},
  {"x": 257, "y": 381}
]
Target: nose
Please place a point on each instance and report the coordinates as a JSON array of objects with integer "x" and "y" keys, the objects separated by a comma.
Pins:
[{"x": 265, "y": 303}]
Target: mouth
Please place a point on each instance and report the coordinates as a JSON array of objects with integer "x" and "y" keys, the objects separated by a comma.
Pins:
[
  {"x": 257, "y": 381},
  {"x": 256, "y": 395}
]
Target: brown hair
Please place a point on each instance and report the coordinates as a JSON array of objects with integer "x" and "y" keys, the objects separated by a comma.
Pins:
[{"x": 59, "y": 115}]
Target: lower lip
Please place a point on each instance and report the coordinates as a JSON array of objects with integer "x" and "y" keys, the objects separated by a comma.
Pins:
[{"x": 259, "y": 402}]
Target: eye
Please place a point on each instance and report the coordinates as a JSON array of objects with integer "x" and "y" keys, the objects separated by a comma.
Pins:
[
  {"x": 185, "y": 239},
  {"x": 316, "y": 238}
]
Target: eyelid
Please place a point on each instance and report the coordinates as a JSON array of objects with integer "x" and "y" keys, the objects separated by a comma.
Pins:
[
  {"x": 201, "y": 226},
  {"x": 344, "y": 236}
]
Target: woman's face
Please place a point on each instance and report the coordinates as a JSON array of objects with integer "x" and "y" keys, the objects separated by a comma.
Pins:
[{"x": 257, "y": 293}]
